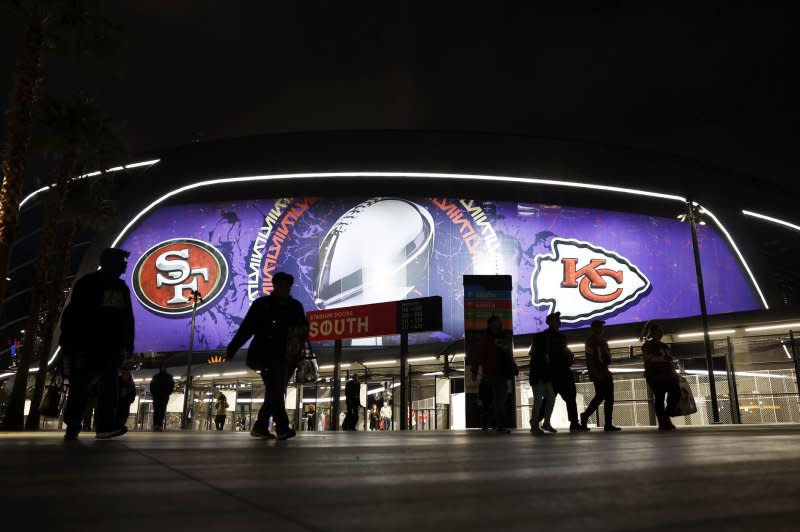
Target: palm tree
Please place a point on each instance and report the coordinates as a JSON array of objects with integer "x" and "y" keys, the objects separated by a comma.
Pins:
[
  {"x": 87, "y": 206},
  {"x": 69, "y": 25},
  {"x": 77, "y": 133}
]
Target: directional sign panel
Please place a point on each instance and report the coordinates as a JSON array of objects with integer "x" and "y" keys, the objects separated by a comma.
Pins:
[{"x": 379, "y": 319}]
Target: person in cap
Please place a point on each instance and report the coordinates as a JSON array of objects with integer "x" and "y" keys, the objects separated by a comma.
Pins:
[
  {"x": 598, "y": 357},
  {"x": 97, "y": 330},
  {"x": 276, "y": 323}
]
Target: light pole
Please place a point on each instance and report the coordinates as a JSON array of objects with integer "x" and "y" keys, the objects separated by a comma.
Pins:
[
  {"x": 692, "y": 209},
  {"x": 196, "y": 298}
]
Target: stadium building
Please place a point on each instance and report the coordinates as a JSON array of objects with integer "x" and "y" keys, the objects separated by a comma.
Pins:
[{"x": 591, "y": 231}]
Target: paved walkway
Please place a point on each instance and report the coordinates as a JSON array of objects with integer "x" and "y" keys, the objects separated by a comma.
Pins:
[{"x": 723, "y": 478}]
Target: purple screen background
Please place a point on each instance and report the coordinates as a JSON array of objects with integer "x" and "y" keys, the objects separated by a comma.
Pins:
[{"x": 659, "y": 247}]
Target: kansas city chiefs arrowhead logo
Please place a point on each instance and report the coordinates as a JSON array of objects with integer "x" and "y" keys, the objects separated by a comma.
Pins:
[{"x": 584, "y": 281}]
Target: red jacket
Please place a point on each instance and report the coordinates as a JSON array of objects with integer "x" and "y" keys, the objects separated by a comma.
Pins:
[{"x": 489, "y": 356}]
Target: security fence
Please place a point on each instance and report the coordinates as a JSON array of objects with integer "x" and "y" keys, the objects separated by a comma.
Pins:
[{"x": 755, "y": 378}]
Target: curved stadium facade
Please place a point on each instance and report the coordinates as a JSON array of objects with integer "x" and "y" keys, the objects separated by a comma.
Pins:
[{"x": 366, "y": 217}]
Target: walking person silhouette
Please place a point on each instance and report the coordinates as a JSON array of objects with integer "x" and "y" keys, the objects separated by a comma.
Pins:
[
  {"x": 274, "y": 322},
  {"x": 97, "y": 330}
]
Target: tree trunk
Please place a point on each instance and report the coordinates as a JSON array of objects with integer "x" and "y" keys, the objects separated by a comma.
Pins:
[
  {"x": 27, "y": 82},
  {"x": 55, "y": 301},
  {"x": 15, "y": 410}
]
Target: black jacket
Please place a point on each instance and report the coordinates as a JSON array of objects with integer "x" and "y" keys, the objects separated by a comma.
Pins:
[
  {"x": 352, "y": 392},
  {"x": 161, "y": 385},
  {"x": 268, "y": 321},
  {"x": 549, "y": 355},
  {"x": 98, "y": 319}
]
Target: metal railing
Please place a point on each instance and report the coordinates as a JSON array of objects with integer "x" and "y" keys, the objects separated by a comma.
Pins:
[{"x": 756, "y": 381}]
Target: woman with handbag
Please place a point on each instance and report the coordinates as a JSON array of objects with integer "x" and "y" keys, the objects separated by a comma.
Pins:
[
  {"x": 660, "y": 374},
  {"x": 220, "y": 411}
]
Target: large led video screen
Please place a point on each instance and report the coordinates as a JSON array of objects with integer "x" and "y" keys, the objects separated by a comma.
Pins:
[{"x": 586, "y": 263}]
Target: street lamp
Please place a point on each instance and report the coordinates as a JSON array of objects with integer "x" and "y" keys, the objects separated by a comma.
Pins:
[
  {"x": 693, "y": 216},
  {"x": 187, "y": 387}
]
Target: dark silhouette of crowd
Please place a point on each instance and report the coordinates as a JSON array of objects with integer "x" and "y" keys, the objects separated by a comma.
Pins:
[{"x": 97, "y": 331}]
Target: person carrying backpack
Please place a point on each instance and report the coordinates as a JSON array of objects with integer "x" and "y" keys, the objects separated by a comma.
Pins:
[{"x": 274, "y": 322}]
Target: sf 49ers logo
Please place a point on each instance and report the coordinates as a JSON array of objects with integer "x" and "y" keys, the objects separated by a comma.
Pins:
[
  {"x": 167, "y": 274},
  {"x": 584, "y": 281}
]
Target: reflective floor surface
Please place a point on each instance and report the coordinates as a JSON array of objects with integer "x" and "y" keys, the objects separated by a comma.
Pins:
[{"x": 713, "y": 478}]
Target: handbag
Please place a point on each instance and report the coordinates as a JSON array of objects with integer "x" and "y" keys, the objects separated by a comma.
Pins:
[
  {"x": 508, "y": 368},
  {"x": 307, "y": 368},
  {"x": 687, "y": 404},
  {"x": 53, "y": 398}
]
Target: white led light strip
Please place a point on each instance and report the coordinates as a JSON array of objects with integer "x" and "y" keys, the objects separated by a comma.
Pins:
[
  {"x": 725, "y": 232},
  {"x": 392, "y": 175},
  {"x": 35, "y": 369},
  {"x": 32, "y": 195},
  {"x": 778, "y": 221},
  {"x": 381, "y": 363},
  {"x": 759, "y": 328},
  {"x": 35, "y": 193},
  {"x": 710, "y": 333},
  {"x": 422, "y": 359}
]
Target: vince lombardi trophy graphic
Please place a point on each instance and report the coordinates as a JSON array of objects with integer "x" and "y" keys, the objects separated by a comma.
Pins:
[{"x": 377, "y": 251}]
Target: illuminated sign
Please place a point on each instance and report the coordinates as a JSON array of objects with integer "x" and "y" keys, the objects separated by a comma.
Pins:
[
  {"x": 583, "y": 281},
  {"x": 400, "y": 235},
  {"x": 378, "y": 319},
  {"x": 484, "y": 296},
  {"x": 167, "y": 274},
  {"x": 360, "y": 321},
  {"x": 344, "y": 252},
  {"x": 216, "y": 359}
]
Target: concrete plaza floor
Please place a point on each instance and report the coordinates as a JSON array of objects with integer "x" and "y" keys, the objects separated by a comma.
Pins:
[{"x": 714, "y": 478}]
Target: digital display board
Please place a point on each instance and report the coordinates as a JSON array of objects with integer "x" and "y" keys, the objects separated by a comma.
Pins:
[{"x": 585, "y": 263}]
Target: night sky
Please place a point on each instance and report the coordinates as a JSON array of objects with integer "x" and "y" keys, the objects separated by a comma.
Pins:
[{"x": 717, "y": 89}]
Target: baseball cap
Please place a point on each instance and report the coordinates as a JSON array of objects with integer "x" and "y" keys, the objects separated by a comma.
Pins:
[
  {"x": 110, "y": 254},
  {"x": 282, "y": 276},
  {"x": 551, "y": 317}
]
